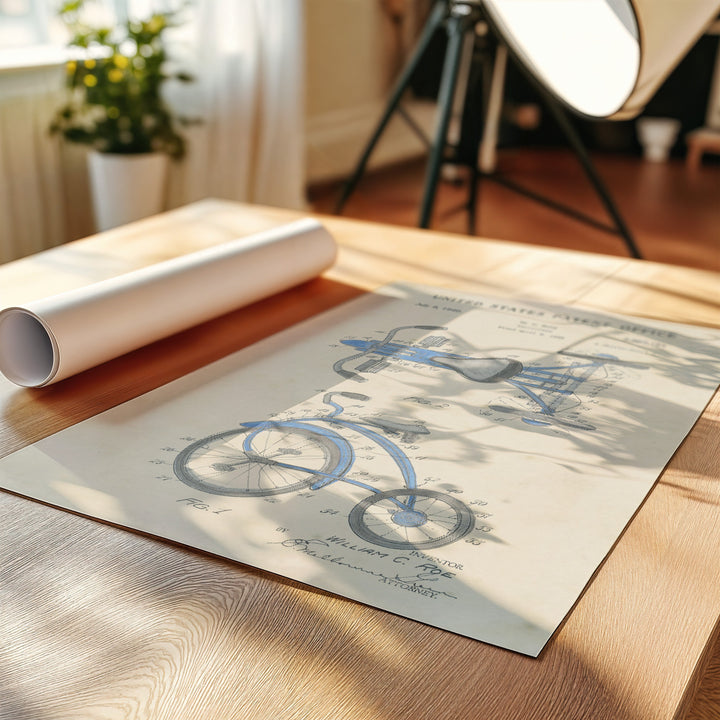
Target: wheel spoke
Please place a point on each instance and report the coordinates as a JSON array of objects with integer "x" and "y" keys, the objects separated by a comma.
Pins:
[
  {"x": 408, "y": 518},
  {"x": 281, "y": 460}
]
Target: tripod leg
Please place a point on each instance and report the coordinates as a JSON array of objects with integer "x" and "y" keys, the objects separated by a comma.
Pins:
[
  {"x": 493, "y": 110},
  {"x": 482, "y": 128},
  {"x": 577, "y": 145},
  {"x": 456, "y": 28},
  {"x": 473, "y": 192},
  {"x": 434, "y": 21}
]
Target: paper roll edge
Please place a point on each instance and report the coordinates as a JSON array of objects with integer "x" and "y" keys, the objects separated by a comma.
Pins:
[{"x": 29, "y": 354}]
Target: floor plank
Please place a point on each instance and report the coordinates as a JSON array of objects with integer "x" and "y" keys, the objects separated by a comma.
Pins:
[{"x": 673, "y": 212}]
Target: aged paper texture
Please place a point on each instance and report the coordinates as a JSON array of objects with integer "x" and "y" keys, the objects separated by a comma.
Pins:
[{"x": 463, "y": 461}]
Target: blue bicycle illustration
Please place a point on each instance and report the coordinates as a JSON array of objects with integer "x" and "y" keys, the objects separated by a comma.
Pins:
[
  {"x": 547, "y": 387},
  {"x": 269, "y": 457}
]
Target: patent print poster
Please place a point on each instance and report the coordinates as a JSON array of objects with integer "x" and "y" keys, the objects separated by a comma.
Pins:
[{"x": 463, "y": 461}]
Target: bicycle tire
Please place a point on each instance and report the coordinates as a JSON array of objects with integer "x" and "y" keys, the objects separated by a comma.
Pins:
[{"x": 411, "y": 518}]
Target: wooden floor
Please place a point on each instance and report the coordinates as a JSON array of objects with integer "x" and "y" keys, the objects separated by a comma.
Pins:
[{"x": 673, "y": 213}]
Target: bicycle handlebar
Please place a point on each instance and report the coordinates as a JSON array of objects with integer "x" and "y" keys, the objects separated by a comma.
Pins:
[
  {"x": 396, "y": 330},
  {"x": 375, "y": 346}
]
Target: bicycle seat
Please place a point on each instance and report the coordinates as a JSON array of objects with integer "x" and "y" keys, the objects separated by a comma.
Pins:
[
  {"x": 482, "y": 370},
  {"x": 399, "y": 426}
]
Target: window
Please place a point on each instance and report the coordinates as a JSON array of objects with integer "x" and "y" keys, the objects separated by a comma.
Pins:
[
  {"x": 31, "y": 33},
  {"x": 23, "y": 23}
]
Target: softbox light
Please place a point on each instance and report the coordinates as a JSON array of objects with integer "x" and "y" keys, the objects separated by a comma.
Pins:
[{"x": 602, "y": 58}]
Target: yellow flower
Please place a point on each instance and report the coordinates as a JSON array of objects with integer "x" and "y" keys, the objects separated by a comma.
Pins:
[
  {"x": 155, "y": 24},
  {"x": 120, "y": 61},
  {"x": 71, "y": 66},
  {"x": 90, "y": 80},
  {"x": 115, "y": 75},
  {"x": 89, "y": 64}
]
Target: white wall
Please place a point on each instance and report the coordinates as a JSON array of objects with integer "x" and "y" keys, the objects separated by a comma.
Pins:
[{"x": 353, "y": 54}]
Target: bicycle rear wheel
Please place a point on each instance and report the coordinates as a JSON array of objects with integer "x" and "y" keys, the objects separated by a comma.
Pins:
[{"x": 280, "y": 459}]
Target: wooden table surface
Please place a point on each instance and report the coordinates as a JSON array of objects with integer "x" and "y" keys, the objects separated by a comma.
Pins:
[{"x": 99, "y": 622}]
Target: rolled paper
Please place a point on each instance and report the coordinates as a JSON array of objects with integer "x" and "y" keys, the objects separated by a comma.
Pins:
[{"x": 53, "y": 338}]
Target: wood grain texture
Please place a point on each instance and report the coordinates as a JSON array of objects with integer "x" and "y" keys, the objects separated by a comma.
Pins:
[{"x": 98, "y": 622}]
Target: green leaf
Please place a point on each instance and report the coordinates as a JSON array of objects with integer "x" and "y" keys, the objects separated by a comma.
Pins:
[{"x": 117, "y": 105}]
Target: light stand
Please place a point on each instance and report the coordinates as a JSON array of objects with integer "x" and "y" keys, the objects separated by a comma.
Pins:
[{"x": 460, "y": 18}]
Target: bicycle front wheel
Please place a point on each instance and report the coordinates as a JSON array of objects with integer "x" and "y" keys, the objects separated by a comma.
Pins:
[{"x": 276, "y": 459}]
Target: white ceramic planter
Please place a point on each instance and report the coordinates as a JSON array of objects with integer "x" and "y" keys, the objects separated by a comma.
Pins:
[
  {"x": 657, "y": 136},
  {"x": 126, "y": 187}
]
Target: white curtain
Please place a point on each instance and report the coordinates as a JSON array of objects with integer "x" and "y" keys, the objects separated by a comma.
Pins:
[{"x": 248, "y": 60}]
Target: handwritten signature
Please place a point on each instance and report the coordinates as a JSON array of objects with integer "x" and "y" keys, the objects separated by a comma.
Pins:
[{"x": 411, "y": 583}]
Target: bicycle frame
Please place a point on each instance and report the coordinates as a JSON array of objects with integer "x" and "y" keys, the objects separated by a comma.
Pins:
[
  {"x": 558, "y": 380},
  {"x": 347, "y": 452},
  {"x": 241, "y": 462}
]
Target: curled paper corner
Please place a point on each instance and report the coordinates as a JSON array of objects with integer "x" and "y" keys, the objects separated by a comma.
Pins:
[{"x": 50, "y": 339}]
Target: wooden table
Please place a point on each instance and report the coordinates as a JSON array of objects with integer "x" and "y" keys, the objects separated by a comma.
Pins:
[{"x": 98, "y": 622}]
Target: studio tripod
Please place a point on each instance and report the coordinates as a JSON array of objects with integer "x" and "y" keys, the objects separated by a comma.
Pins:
[{"x": 460, "y": 18}]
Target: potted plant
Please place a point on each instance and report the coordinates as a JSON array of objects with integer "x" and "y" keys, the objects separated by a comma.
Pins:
[{"x": 115, "y": 106}]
